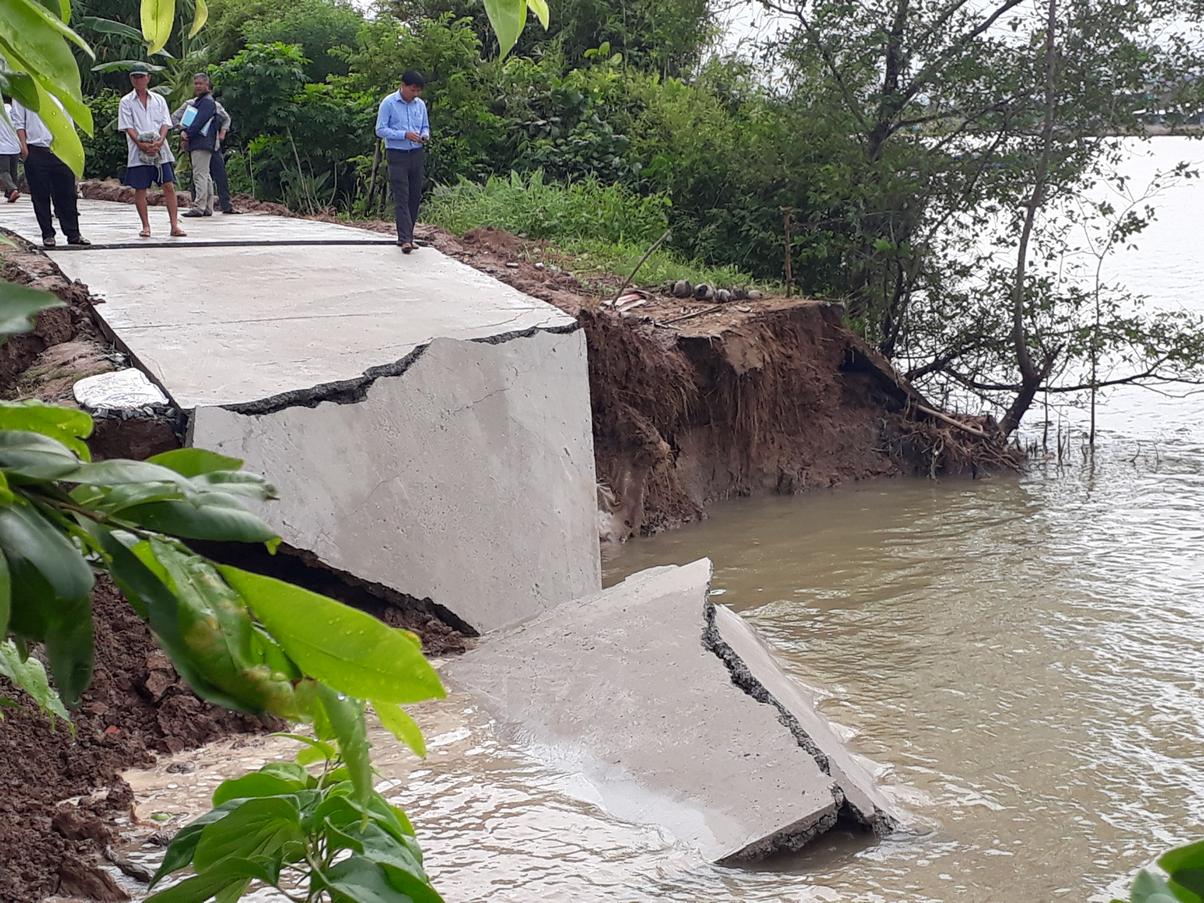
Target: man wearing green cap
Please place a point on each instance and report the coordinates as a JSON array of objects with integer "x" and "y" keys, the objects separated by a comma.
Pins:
[{"x": 146, "y": 121}]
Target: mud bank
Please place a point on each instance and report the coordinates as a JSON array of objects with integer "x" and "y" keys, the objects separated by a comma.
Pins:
[{"x": 696, "y": 402}]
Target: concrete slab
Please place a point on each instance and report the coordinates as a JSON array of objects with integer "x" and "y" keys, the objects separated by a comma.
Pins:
[
  {"x": 622, "y": 689},
  {"x": 222, "y": 326},
  {"x": 756, "y": 672},
  {"x": 464, "y": 476},
  {"x": 428, "y": 426},
  {"x": 110, "y": 224}
]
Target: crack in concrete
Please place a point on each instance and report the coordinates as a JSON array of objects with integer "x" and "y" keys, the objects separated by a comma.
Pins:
[
  {"x": 355, "y": 390},
  {"x": 791, "y": 838}
]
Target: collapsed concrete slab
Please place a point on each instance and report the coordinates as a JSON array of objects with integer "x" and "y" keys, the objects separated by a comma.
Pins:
[
  {"x": 428, "y": 426},
  {"x": 463, "y": 475},
  {"x": 626, "y": 689}
]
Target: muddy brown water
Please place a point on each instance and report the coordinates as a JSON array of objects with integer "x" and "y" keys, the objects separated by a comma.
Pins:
[{"x": 1021, "y": 660}]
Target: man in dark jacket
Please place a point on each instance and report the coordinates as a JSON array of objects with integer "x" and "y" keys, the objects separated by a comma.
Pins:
[{"x": 200, "y": 137}]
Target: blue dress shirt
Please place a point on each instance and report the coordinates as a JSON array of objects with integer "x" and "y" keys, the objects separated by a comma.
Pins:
[{"x": 396, "y": 117}]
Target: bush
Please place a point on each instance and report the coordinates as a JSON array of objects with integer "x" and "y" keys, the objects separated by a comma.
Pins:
[
  {"x": 564, "y": 213},
  {"x": 105, "y": 151}
]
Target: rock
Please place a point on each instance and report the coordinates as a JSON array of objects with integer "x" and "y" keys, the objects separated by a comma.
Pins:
[
  {"x": 755, "y": 295},
  {"x": 740, "y": 294},
  {"x": 539, "y": 266},
  {"x": 128, "y": 388},
  {"x": 703, "y": 292},
  {"x": 512, "y": 265},
  {"x": 638, "y": 691},
  {"x": 75, "y": 825},
  {"x": 723, "y": 296},
  {"x": 78, "y": 879},
  {"x": 682, "y": 289}
]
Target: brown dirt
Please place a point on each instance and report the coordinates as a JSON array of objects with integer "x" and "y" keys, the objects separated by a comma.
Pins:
[{"x": 135, "y": 708}]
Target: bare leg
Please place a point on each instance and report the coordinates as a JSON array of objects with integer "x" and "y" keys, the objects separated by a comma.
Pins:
[
  {"x": 140, "y": 203},
  {"x": 169, "y": 195}
]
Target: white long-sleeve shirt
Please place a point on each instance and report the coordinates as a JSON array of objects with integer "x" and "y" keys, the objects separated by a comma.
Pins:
[{"x": 8, "y": 134}]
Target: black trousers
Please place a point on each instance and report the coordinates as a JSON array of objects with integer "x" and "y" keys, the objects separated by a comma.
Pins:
[
  {"x": 217, "y": 169},
  {"x": 405, "y": 180},
  {"x": 50, "y": 179}
]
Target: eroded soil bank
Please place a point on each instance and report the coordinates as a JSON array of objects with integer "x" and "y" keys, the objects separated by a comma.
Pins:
[{"x": 692, "y": 403}]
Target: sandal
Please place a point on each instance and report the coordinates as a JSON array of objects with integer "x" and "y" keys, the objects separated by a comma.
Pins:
[
  {"x": 145, "y": 233},
  {"x": 177, "y": 232}
]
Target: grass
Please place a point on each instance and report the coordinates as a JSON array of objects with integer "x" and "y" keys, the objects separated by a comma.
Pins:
[{"x": 602, "y": 230}]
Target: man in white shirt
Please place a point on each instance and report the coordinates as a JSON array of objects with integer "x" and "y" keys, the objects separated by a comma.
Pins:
[
  {"x": 10, "y": 153},
  {"x": 146, "y": 121},
  {"x": 49, "y": 178}
]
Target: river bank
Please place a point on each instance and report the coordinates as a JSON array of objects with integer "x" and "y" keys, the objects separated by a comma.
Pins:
[{"x": 692, "y": 404}]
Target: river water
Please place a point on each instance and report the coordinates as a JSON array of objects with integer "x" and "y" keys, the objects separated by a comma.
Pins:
[{"x": 1021, "y": 659}]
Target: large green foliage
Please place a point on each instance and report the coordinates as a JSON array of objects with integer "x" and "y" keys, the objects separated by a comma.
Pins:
[{"x": 239, "y": 639}]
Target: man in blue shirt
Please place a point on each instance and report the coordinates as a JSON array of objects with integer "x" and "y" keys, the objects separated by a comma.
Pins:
[
  {"x": 199, "y": 135},
  {"x": 403, "y": 123}
]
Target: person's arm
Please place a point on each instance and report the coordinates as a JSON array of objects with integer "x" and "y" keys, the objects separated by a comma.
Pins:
[
  {"x": 18, "y": 118},
  {"x": 178, "y": 115},
  {"x": 223, "y": 121},
  {"x": 425, "y": 131},
  {"x": 383, "y": 129}
]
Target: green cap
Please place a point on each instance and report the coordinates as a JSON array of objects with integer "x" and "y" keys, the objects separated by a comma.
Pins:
[{"x": 139, "y": 69}]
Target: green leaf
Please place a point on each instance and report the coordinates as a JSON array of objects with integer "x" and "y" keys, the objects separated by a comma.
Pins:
[
  {"x": 359, "y": 880},
  {"x": 21, "y": 86},
  {"x": 213, "y": 516},
  {"x": 1149, "y": 888},
  {"x": 66, "y": 143},
  {"x": 215, "y": 631},
  {"x": 109, "y": 26},
  {"x": 401, "y": 726},
  {"x": 30, "y": 543},
  {"x": 125, "y": 65},
  {"x": 507, "y": 18},
  {"x": 155, "y": 601},
  {"x": 315, "y": 750},
  {"x": 6, "y": 595},
  {"x": 257, "y": 828},
  {"x": 347, "y": 720},
  {"x": 182, "y": 847},
  {"x": 214, "y": 882},
  {"x": 192, "y": 462},
  {"x": 119, "y": 471},
  {"x": 1190, "y": 856},
  {"x": 20, "y": 306},
  {"x": 252, "y": 785},
  {"x": 540, "y": 8},
  {"x": 158, "y": 16},
  {"x": 199, "y": 18},
  {"x": 30, "y": 676},
  {"x": 66, "y": 425},
  {"x": 68, "y": 642},
  {"x": 6, "y": 496},
  {"x": 33, "y": 456},
  {"x": 403, "y": 869},
  {"x": 347, "y": 649}
]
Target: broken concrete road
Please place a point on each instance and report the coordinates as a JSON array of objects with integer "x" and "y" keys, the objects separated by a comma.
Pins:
[
  {"x": 427, "y": 426},
  {"x": 642, "y": 689}
]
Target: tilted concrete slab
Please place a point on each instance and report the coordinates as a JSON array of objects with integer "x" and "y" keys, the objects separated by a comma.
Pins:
[
  {"x": 428, "y": 426},
  {"x": 624, "y": 689},
  {"x": 464, "y": 475},
  {"x": 110, "y": 224}
]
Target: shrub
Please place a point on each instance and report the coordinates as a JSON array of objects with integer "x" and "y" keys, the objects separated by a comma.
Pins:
[
  {"x": 564, "y": 213},
  {"x": 105, "y": 151}
]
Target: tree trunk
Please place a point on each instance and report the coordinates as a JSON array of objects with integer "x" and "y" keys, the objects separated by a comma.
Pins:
[{"x": 1031, "y": 376}]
